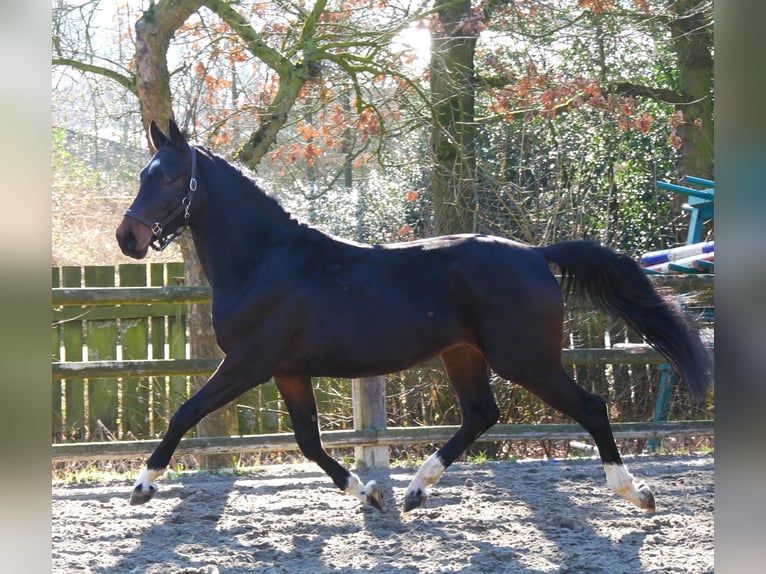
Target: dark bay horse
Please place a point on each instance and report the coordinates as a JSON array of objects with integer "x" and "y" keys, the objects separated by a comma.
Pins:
[{"x": 290, "y": 302}]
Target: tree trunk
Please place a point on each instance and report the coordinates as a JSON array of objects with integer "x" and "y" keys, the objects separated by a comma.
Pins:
[
  {"x": 154, "y": 30},
  {"x": 692, "y": 42},
  {"x": 453, "y": 135},
  {"x": 224, "y": 421}
]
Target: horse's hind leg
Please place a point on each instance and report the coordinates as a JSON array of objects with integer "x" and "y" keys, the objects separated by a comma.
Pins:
[
  {"x": 467, "y": 370},
  {"x": 299, "y": 398},
  {"x": 589, "y": 409}
]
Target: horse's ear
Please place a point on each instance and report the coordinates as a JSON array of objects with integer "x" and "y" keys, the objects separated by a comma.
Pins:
[
  {"x": 158, "y": 138},
  {"x": 178, "y": 138}
]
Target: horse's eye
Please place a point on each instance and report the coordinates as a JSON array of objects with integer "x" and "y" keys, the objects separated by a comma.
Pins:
[{"x": 170, "y": 178}]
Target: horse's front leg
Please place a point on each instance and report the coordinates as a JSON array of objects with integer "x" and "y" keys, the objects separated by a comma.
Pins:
[
  {"x": 299, "y": 398},
  {"x": 230, "y": 380}
]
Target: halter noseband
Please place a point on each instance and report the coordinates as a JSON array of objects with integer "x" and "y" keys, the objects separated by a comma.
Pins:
[{"x": 160, "y": 241}]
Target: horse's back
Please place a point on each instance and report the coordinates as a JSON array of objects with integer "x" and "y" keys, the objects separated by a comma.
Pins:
[{"x": 501, "y": 272}]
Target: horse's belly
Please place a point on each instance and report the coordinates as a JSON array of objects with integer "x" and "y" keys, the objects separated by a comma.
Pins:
[{"x": 364, "y": 349}]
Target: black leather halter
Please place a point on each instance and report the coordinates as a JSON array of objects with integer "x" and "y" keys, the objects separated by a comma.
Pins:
[{"x": 161, "y": 240}]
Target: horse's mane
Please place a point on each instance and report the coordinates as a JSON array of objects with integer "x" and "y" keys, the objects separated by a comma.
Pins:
[
  {"x": 267, "y": 205},
  {"x": 241, "y": 176}
]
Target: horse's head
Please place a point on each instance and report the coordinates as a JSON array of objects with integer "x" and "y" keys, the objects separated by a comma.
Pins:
[{"x": 160, "y": 211}]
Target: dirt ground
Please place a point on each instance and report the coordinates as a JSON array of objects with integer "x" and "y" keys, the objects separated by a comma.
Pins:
[{"x": 535, "y": 516}]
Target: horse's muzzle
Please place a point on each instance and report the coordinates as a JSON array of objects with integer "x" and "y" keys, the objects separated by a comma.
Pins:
[{"x": 133, "y": 237}]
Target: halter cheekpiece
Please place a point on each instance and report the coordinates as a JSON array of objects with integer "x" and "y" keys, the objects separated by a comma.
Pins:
[{"x": 160, "y": 241}]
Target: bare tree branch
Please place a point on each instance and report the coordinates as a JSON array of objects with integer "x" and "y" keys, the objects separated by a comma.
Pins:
[
  {"x": 252, "y": 39},
  {"x": 292, "y": 77},
  {"x": 128, "y": 82},
  {"x": 658, "y": 94}
]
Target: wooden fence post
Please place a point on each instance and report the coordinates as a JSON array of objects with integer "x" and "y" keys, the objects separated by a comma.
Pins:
[
  {"x": 202, "y": 342},
  {"x": 58, "y": 427},
  {"x": 101, "y": 339},
  {"x": 135, "y": 336},
  {"x": 72, "y": 334},
  {"x": 369, "y": 401}
]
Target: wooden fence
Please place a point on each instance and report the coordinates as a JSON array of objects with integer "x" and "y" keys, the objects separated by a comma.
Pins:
[{"x": 121, "y": 367}]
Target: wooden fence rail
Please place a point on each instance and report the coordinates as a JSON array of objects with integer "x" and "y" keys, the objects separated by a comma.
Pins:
[
  {"x": 371, "y": 438},
  {"x": 78, "y": 296},
  {"x": 632, "y": 355}
]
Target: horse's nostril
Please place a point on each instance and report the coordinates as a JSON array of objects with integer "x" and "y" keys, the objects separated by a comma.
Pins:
[{"x": 126, "y": 240}]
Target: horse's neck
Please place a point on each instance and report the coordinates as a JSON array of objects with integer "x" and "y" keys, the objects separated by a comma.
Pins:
[{"x": 235, "y": 223}]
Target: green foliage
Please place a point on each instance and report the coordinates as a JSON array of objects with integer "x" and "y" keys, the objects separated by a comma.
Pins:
[
  {"x": 586, "y": 166},
  {"x": 480, "y": 457}
]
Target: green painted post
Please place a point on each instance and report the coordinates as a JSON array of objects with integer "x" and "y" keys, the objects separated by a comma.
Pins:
[
  {"x": 178, "y": 387},
  {"x": 662, "y": 407}
]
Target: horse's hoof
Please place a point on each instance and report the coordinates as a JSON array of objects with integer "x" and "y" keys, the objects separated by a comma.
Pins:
[
  {"x": 414, "y": 499},
  {"x": 375, "y": 496},
  {"x": 141, "y": 495},
  {"x": 646, "y": 498}
]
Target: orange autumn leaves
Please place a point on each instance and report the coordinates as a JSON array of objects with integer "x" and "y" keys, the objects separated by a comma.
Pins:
[
  {"x": 411, "y": 196},
  {"x": 675, "y": 121},
  {"x": 547, "y": 96},
  {"x": 601, "y": 6},
  {"x": 328, "y": 132}
]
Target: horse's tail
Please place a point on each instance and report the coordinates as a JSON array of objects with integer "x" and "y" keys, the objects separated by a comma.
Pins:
[{"x": 620, "y": 286}]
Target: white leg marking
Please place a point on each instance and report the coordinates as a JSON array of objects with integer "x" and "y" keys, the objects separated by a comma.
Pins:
[
  {"x": 354, "y": 487},
  {"x": 622, "y": 482},
  {"x": 428, "y": 474},
  {"x": 144, "y": 489},
  {"x": 147, "y": 477}
]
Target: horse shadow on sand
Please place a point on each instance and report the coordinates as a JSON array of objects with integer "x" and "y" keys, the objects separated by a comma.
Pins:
[
  {"x": 272, "y": 531},
  {"x": 202, "y": 528},
  {"x": 583, "y": 526}
]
